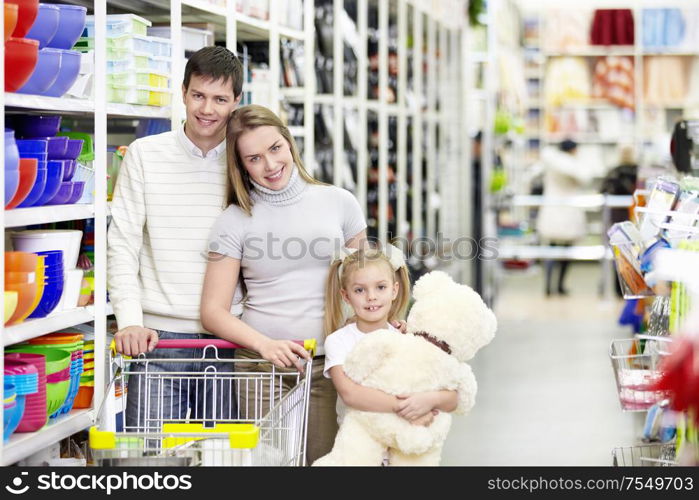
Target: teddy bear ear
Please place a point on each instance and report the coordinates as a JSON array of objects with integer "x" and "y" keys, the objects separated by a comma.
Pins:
[{"x": 430, "y": 283}]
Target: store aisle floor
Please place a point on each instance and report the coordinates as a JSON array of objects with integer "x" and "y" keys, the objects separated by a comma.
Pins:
[{"x": 546, "y": 388}]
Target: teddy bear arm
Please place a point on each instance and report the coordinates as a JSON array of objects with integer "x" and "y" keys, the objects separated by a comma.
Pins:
[{"x": 466, "y": 389}]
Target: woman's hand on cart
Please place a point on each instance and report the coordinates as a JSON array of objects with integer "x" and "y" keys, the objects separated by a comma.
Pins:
[
  {"x": 284, "y": 353},
  {"x": 134, "y": 340}
]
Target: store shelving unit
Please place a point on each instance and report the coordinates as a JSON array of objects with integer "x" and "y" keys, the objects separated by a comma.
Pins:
[{"x": 95, "y": 110}]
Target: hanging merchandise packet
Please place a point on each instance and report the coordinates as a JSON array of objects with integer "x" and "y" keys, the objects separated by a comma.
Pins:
[
  {"x": 687, "y": 209},
  {"x": 662, "y": 198}
]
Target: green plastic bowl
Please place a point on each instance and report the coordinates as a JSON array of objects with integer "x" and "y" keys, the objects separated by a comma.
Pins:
[
  {"x": 56, "y": 359},
  {"x": 56, "y": 394}
]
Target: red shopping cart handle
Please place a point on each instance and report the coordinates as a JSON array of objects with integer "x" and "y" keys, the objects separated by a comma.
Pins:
[{"x": 309, "y": 344}]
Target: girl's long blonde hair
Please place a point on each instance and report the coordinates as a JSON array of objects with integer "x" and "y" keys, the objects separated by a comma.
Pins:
[
  {"x": 244, "y": 119},
  {"x": 342, "y": 269}
]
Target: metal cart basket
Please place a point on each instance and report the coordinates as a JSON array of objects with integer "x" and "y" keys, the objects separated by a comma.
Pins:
[{"x": 224, "y": 412}]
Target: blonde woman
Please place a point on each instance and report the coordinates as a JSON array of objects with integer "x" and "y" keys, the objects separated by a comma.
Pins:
[{"x": 278, "y": 234}]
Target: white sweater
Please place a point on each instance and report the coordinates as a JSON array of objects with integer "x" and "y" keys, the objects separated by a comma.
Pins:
[{"x": 166, "y": 199}]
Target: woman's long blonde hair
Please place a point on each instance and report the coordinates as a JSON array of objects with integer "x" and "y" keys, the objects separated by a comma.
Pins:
[
  {"x": 340, "y": 272},
  {"x": 244, "y": 119}
]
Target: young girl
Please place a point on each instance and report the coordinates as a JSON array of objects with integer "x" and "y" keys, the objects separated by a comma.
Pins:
[{"x": 378, "y": 289}]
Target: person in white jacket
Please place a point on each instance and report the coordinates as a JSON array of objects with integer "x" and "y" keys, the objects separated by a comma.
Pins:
[{"x": 559, "y": 225}]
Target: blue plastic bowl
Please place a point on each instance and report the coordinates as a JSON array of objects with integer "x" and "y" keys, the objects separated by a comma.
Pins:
[
  {"x": 78, "y": 188},
  {"x": 11, "y": 151},
  {"x": 49, "y": 299},
  {"x": 53, "y": 261},
  {"x": 73, "y": 149},
  {"x": 32, "y": 146},
  {"x": 29, "y": 126},
  {"x": 71, "y": 23},
  {"x": 38, "y": 188},
  {"x": 45, "y": 25},
  {"x": 11, "y": 185},
  {"x": 69, "y": 170},
  {"x": 67, "y": 74},
  {"x": 56, "y": 147},
  {"x": 54, "y": 177},
  {"x": 42, "y": 157},
  {"x": 16, "y": 413},
  {"x": 65, "y": 191},
  {"x": 44, "y": 74}
]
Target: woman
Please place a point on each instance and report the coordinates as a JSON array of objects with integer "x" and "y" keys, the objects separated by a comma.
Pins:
[
  {"x": 279, "y": 234},
  {"x": 561, "y": 225}
]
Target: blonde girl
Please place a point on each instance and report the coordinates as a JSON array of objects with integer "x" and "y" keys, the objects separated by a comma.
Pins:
[{"x": 376, "y": 286}]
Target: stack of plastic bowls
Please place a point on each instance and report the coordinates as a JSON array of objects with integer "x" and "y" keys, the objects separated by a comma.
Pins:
[
  {"x": 28, "y": 171},
  {"x": 30, "y": 127},
  {"x": 10, "y": 410},
  {"x": 73, "y": 343},
  {"x": 25, "y": 378},
  {"x": 35, "y": 416},
  {"x": 11, "y": 166},
  {"x": 57, "y": 374},
  {"x": 56, "y": 158},
  {"x": 21, "y": 276},
  {"x": 53, "y": 283},
  {"x": 87, "y": 378}
]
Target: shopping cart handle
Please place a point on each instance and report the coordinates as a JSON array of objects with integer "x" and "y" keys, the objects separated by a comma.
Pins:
[{"x": 309, "y": 344}]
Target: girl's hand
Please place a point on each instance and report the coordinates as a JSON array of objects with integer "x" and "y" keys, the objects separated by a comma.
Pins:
[
  {"x": 426, "y": 420},
  {"x": 414, "y": 406},
  {"x": 401, "y": 325},
  {"x": 283, "y": 353}
]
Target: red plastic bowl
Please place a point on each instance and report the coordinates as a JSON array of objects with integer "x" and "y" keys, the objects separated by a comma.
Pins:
[
  {"x": 10, "y": 19},
  {"x": 21, "y": 55},
  {"x": 27, "y": 177},
  {"x": 28, "y": 10}
]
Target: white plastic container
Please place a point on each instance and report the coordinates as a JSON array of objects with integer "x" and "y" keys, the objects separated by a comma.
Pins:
[
  {"x": 71, "y": 290},
  {"x": 193, "y": 39},
  {"x": 66, "y": 240}
]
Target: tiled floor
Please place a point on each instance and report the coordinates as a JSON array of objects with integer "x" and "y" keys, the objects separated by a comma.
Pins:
[{"x": 546, "y": 388}]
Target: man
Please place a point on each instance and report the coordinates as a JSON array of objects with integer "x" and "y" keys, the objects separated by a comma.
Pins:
[{"x": 170, "y": 189}]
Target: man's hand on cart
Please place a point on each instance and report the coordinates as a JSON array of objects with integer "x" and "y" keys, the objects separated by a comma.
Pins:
[
  {"x": 134, "y": 340},
  {"x": 284, "y": 353}
]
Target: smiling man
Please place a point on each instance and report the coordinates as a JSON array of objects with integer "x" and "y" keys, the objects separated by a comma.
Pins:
[{"x": 171, "y": 188}]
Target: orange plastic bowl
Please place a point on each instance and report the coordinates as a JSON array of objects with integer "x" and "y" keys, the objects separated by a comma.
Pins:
[
  {"x": 20, "y": 262},
  {"x": 26, "y": 293},
  {"x": 19, "y": 277},
  {"x": 11, "y": 11},
  {"x": 39, "y": 281},
  {"x": 27, "y": 178}
]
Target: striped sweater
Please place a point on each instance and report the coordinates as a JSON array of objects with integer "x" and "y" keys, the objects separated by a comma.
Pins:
[{"x": 166, "y": 199}]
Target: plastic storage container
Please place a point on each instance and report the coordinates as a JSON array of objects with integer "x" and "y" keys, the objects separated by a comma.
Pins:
[
  {"x": 132, "y": 43},
  {"x": 41, "y": 240},
  {"x": 26, "y": 15},
  {"x": 145, "y": 96},
  {"x": 119, "y": 24},
  {"x": 135, "y": 77},
  {"x": 193, "y": 39}
]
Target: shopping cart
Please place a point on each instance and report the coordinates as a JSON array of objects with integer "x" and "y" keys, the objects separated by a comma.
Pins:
[
  {"x": 636, "y": 364},
  {"x": 228, "y": 412},
  {"x": 650, "y": 455}
]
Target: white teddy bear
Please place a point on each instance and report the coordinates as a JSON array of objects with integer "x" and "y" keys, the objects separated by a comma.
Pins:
[{"x": 447, "y": 325}]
